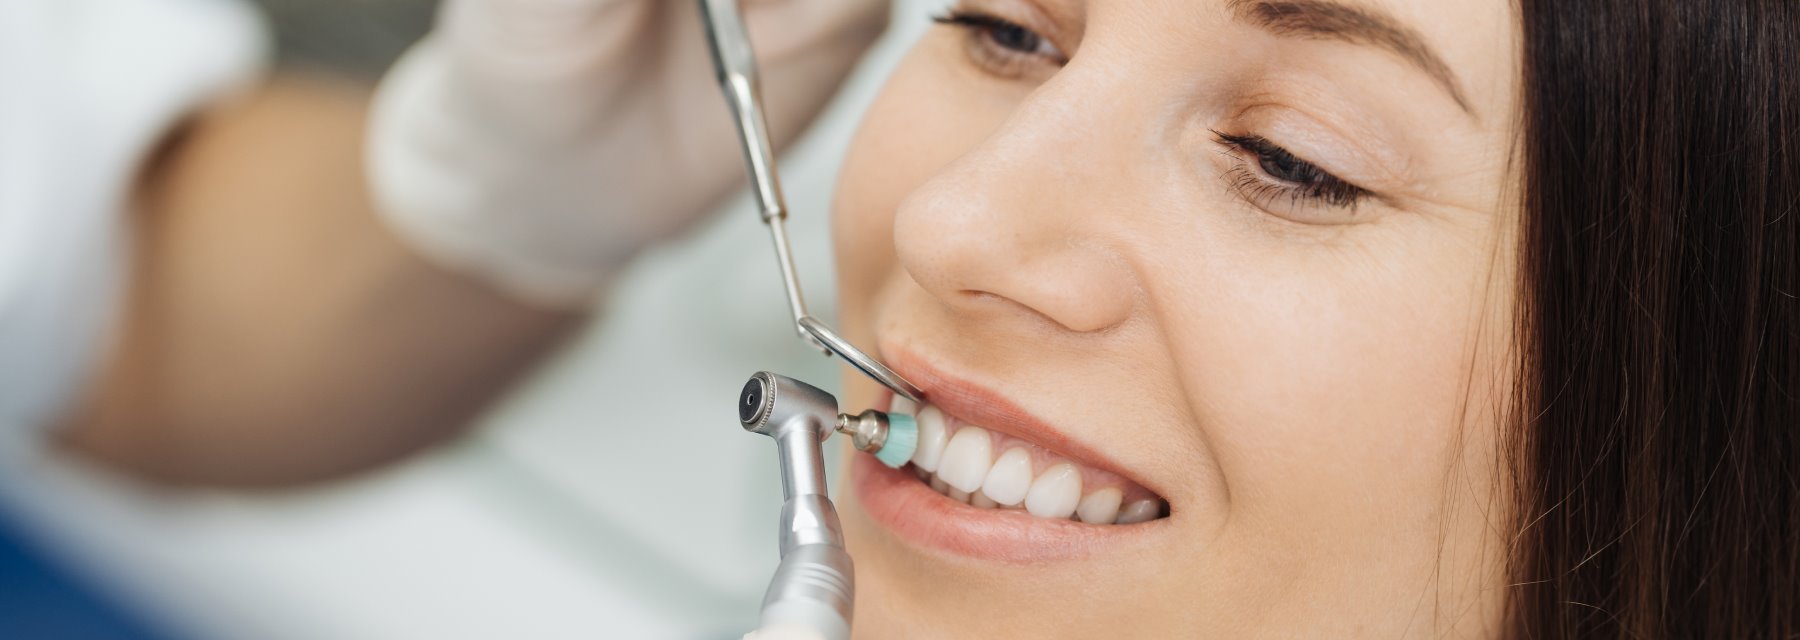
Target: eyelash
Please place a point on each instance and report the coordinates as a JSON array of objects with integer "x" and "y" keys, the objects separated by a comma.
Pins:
[
  {"x": 1261, "y": 185},
  {"x": 987, "y": 39},
  {"x": 1306, "y": 180}
]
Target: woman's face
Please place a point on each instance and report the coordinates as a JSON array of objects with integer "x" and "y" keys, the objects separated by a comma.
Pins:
[{"x": 1232, "y": 276}]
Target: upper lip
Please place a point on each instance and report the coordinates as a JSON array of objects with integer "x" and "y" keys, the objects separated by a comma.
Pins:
[{"x": 981, "y": 406}]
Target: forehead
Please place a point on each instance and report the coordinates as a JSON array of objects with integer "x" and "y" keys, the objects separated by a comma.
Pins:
[{"x": 1476, "y": 41}]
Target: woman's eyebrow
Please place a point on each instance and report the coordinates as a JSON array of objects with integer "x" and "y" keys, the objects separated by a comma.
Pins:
[{"x": 1356, "y": 25}]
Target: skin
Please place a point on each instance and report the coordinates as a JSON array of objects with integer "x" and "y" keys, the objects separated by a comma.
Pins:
[
  {"x": 1313, "y": 391},
  {"x": 276, "y": 333}
]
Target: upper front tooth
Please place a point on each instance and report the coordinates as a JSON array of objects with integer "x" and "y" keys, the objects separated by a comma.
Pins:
[
  {"x": 902, "y": 405},
  {"x": 1100, "y": 507},
  {"x": 1055, "y": 492},
  {"x": 967, "y": 458},
  {"x": 931, "y": 438},
  {"x": 1010, "y": 478}
]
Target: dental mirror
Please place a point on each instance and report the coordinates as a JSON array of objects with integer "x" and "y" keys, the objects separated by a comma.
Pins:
[{"x": 736, "y": 65}]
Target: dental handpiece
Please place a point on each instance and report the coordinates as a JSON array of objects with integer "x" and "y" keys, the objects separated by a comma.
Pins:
[{"x": 813, "y": 589}]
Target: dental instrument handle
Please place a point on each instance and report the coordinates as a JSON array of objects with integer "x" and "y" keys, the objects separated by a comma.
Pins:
[
  {"x": 735, "y": 63},
  {"x": 813, "y": 588},
  {"x": 802, "y": 463}
]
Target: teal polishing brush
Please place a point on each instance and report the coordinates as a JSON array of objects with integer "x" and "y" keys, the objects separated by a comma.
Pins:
[{"x": 892, "y": 437}]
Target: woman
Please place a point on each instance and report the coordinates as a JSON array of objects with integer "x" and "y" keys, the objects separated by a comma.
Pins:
[
  {"x": 1448, "y": 318},
  {"x": 1282, "y": 318}
]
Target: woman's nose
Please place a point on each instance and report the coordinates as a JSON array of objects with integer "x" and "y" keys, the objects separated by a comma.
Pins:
[{"x": 1027, "y": 222}]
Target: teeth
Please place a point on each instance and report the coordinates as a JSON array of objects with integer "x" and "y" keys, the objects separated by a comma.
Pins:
[
  {"x": 962, "y": 466},
  {"x": 931, "y": 438},
  {"x": 1139, "y": 511},
  {"x": 1010, "y": 478},
  {"x": 1054, "y": 494},
  {"x": 1099, "y": 507},
  {"x": 902, "y": 405},
  {"x": 967, "y": 458}
]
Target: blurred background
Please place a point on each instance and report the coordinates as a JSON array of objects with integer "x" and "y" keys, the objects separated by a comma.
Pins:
[{"x": 594, "y": 492}]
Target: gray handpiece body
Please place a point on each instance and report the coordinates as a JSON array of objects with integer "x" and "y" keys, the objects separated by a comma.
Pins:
[{"x": 814, "y": 586}]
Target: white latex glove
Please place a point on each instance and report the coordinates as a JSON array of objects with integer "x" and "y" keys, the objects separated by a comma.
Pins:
[{"x": 539, "y": 144}]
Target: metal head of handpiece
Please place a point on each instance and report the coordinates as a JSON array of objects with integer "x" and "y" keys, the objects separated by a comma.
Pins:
[
  {"x": 814, "y": 585},
  {"x": 799, "y": 417},
  {"x": 736, "y": 66}
]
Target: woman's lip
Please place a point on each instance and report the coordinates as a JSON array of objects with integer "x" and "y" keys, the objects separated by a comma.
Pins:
[
  {"x": 898, "y": 501},
  {"x": 980, "y": 406}
]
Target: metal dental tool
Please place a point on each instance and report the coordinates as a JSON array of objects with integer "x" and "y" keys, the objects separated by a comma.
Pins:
[
  {"x": 813, "y": 588},
  {"x": 812, "y": 591},
  {"x": 736, "y": 65}
]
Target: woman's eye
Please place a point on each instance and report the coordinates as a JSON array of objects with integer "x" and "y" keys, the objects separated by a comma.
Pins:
[
  {"x": 1284, "y": 183},
  {"x": 1002, "y": 46}
]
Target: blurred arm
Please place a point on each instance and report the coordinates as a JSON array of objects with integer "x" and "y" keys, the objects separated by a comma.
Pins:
[{"x": 275, "y": 332}]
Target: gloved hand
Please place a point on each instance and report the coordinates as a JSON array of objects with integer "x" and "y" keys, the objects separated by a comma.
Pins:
[{"x": 539, "y": 144}]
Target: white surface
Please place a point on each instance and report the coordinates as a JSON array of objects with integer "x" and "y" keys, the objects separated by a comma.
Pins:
[{"x": 615, "y": 496}]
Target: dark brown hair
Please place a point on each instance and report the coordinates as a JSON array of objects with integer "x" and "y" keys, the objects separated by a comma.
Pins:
[{"x": 1658, "y": 457}]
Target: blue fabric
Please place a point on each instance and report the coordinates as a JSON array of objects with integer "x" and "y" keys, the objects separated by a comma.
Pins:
[{"x": 40, "y": 598}]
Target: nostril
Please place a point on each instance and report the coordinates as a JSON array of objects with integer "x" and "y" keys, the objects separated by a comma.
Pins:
[
  {"x": 1081, "y": 303},
  {"x": 978, "y": 299}
]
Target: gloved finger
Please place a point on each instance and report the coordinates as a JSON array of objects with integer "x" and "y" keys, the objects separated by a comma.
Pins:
[{"x": 536, "y": 30}]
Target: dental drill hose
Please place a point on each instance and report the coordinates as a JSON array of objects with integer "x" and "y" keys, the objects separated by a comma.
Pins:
[{"x": 814, "y": 587}]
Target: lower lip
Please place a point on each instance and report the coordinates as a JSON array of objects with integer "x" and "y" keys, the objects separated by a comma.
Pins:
[{"x": 897, "y": 500}]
